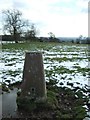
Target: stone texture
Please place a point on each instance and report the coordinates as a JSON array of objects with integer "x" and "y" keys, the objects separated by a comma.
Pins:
[{"x": 33, "y": 76}]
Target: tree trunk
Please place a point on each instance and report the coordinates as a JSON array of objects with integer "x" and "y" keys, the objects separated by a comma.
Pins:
[{"x": 15, "y": 35}]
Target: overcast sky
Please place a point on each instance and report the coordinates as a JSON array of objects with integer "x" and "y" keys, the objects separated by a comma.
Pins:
[{"x": 65, "y": 18}]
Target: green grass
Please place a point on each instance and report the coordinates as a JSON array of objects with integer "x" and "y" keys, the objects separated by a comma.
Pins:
[
  {"x": 44, "y": 45},
  {"x": 52, "y": 53},
  {"x": 28, "y": 46}
]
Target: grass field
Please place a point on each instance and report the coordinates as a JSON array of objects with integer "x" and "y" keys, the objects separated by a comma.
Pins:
[{"x": 65, "y": 63}]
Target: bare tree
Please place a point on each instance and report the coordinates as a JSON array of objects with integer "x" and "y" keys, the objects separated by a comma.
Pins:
[
  {"x": 31, "y": 32},
  {"x": 51, "y": 35},
  {"x": 13, "y": 23}
]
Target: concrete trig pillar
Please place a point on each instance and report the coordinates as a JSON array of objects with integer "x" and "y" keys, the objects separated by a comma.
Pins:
[{"x": 33, "y": 76}]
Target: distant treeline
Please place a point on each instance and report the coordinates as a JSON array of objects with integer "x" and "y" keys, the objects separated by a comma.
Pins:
[
  {"x": 7, "y": 38},
  {"x": 45, "y": 39},
  {"x": 41, "y": 39}
]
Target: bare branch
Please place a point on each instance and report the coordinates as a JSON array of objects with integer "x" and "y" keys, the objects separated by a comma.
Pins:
[{"x": 13, "y": 22}]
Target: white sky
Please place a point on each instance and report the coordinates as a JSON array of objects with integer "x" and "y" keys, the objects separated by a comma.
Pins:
[{"x": 65, "y": 18}]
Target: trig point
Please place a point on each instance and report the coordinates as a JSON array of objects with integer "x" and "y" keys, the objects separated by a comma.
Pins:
[{"x": 33, "y": 76}]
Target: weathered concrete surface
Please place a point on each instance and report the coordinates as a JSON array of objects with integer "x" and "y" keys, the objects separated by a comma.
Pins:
[{"x": 33, "y": 76}]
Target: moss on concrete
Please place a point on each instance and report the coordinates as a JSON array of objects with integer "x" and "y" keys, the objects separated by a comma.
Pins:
[{"x": 31, "y": 104}]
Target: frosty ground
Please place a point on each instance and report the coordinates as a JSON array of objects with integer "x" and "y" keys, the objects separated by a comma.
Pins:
[{"x": 66, "y": 65}]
